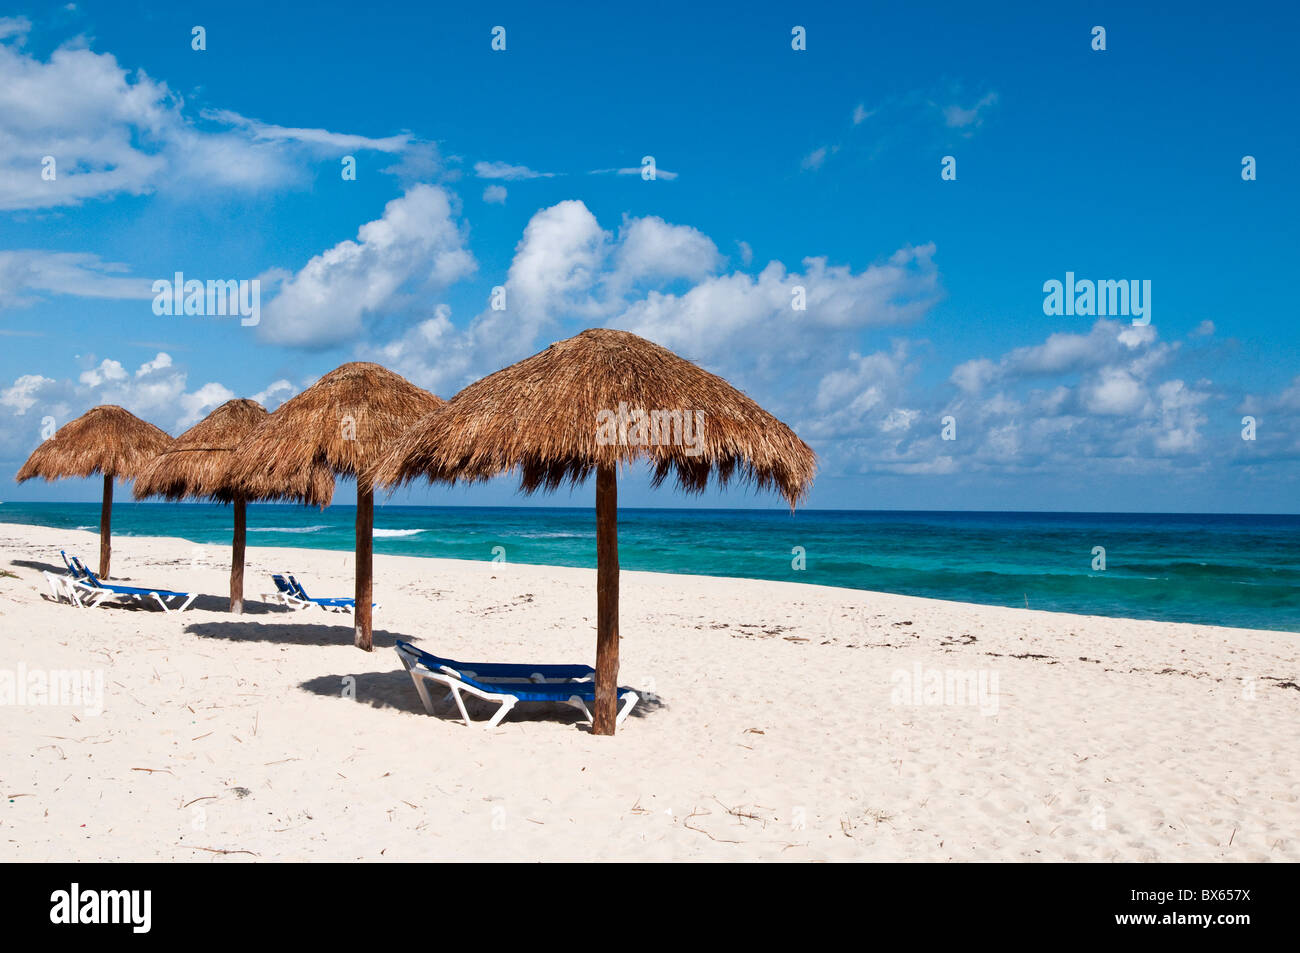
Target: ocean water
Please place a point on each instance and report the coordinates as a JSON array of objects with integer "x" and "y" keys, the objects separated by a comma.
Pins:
[{"x": 1214, "y": 569}]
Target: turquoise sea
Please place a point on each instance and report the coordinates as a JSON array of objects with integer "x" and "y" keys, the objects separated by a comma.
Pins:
[{"x": 1215, "y": 569}]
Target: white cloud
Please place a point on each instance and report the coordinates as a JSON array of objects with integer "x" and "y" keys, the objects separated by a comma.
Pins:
[
  {"x": 495, "y": 194},
  {"x": 957, "y": 117},
  {"x": 160, "y": 363},
  {"x": 650, "y": 248},
  {"x": 1113, "y": 391},
  {"x": 111, "y": 131},
  {"x": 157, "y": 390},
  {"x": 1067, "y": 352},
  {"x": 725, "y": 314},
  {"x": 275, "y": 394},
  {"x": 635, "y": 170},
  {"x": 815, "y": 159},
  {"x": 416, "y": 247},
  {"x": 16, "y": 28},
  {"x": 557, "y": 262},
  {"x": 508, "y": 172},
  {"x": 198, "y": 404},
  {"x": 972, "y": 376},
  {"x": 26, "y": 390},
  {"x": 27, "y": 274},
  {"x": 322, "y": 138},
  {"x": 863, "y": 396},
  {"x": 108, "y": 372},
  {"x": 568, "y": 273}
]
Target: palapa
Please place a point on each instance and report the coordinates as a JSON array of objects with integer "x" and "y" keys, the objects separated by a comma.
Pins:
[
  {"x": 340, "y": 426},
  {"x": 197, "y": 465},
  {"x": 596, "y": 402},
  {"x": 107, "y": 440}
]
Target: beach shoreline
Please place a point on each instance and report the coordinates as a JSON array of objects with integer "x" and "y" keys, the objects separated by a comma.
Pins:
[
  {"x": 1235, "y": 571},
  {"x": 781, "y": 721}
]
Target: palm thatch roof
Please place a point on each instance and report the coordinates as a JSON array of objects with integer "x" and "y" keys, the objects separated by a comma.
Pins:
[
  {"x": 339, "y": 426},
  {"x": 196, "y": 463},
  {"x": 106, "y": 440},
  {"x": 552, "y": 415}
]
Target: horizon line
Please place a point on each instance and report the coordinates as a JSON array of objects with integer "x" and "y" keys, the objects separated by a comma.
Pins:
[{"x": 714, "y": 509}]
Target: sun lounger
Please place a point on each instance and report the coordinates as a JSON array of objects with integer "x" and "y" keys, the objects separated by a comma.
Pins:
[
  {"x": 87, "y": 586},
  {"x": 62, "y": 588},
  {"x": 289, "y": 592},
  {"x": 507, "y": 685}
]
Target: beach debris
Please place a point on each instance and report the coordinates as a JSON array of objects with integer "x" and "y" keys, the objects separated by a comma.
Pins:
[
  {"x": 696, "y": 812},
  {"x": 221, "y": 850}
]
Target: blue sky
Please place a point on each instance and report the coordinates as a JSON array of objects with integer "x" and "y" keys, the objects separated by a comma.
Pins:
[{"x": 776, "y": 168}]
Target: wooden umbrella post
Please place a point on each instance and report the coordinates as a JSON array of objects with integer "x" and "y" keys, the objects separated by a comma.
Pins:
[
  {"x": 106, "y": 528},
  {"x": 605, "y": 708},
  {"x": 237, "y": 559},
  {"x": 364, "y": 637}
]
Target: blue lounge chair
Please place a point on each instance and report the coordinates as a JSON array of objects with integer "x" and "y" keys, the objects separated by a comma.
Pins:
[
  {"x": 505, "y": 684},
  {"x": 88, "y": 586},
  {"x": 290, "y": 592}
]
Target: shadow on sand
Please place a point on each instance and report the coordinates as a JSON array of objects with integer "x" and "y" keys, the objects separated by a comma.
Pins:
[
  {"x": 287, "y": 633},
  {"x": 251, "y": 606},
  {"x": 38, "y": 566},
  {"x": 394, "y": 690}
]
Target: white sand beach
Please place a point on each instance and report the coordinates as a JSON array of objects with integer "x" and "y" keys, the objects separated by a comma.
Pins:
[{"x": 777, "y": 725}]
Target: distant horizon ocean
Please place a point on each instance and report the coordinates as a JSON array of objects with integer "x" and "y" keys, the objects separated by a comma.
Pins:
[{"x": 1217, "y": 569}]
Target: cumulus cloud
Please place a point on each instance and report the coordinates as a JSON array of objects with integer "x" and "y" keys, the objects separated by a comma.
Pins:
[
  {"x": 495, "y": 195},
  {"x": 275, "y": 394},
  {"x": 1066, "y": 352},
  {"x": 666, "y": 282},
  {"x": 724, "y": 314},
  {"x": 651, "y": 249},
  {"x": 156, "y": 390},
  {"x": 108, "y": 130},
  {"x": 558, "y": 271},
  {"x": 1109, "y": 396},
  {"x": 415, "y": 247}
]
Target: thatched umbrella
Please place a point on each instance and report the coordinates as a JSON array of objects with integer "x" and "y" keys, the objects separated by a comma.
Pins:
[
  {"x": 595, "y": 402},
  {"x": 341, "y": 425},
  {"x": 106, "y": 440},
  {"x": 195, "y": 467}
]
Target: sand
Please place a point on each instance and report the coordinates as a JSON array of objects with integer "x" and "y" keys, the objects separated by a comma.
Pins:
[{"x": 781, "y": 722}]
